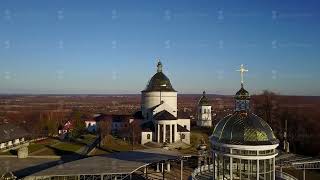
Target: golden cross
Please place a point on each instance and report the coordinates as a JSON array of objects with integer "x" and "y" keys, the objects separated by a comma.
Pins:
[{"x": 242, "y": 70}]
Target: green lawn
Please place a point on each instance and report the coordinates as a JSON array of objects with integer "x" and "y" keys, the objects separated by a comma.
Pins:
[
  {"x": 34, "y": 146},
  {"x": 116, "y": 145},
  {"x": 196, "y": 135},
  {"x": 63, "y": 148},
  {"x": 87, "y": 139}
]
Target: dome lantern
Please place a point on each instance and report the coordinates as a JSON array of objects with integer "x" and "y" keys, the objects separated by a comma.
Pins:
[
  {"x": 159, "y": 82},
  {"x": 159, "y": 66},
  {"x": 242, "y": 97}
]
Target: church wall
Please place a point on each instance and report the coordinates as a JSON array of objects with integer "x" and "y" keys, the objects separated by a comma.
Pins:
[
  {"x": 205, "y": 112},
  {"x": 184, "y": 122},
  {"x": 144, "y": 137},
  {"x": 166, "y": 107},
  {"x": 151, "y": 99},
  {"x": 204, "y": 116},
  {"x": 186, "y": 137},
  {"x": 204, "y": 123}
]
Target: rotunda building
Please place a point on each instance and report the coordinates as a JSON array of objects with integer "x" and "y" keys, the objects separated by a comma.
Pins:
[
  {"x": 243, "y": 144},
  {"x": 158, "y": 91}
]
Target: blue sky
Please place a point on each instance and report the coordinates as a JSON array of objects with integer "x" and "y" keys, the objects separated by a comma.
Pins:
[{"x": 111, "y": 46}]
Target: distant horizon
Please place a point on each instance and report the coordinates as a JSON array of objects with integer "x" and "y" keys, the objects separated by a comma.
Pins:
[{"x": 199, "y": 94}]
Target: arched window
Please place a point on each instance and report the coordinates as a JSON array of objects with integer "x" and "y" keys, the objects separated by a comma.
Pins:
[
  {"x": 183, "y": 136},
  {"x": 148, "y": 136}
]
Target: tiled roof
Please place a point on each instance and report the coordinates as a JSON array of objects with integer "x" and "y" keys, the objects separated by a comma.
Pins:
[
  {"x": 138, "y": 115},
  {"x": 147, "y": 126},
  {"x": 10, "y": 131}
]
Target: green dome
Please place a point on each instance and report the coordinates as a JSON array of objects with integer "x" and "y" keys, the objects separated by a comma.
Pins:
[
  {"x": 204, "y": 100},
  {"x": 243, "y": 128},
  {"x": 159, "y": 82}
]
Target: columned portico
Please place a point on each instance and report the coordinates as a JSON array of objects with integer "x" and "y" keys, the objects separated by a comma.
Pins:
[
  {"x": 158, "y": 133},
  {"x": 166, "y": 130},
  {"x": 244, "y": 162},
  {"x": 170, "y": 139}
]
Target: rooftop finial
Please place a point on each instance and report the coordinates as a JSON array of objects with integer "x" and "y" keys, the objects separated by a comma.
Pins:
[
  {"x": 242, "y": 70},
  {"x": 159, "y": 66},
  {"x": 204, "y": 93}
]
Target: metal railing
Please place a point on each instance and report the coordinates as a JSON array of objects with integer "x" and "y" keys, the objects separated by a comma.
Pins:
[
  {"x": 285, "y": 176},
  {"x": 201, "y": 169}
]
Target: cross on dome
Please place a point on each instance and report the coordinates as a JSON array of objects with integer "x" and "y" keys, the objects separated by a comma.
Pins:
[
  {"x": 159, "y": 66},
  {"x": 242, "y": 70}
]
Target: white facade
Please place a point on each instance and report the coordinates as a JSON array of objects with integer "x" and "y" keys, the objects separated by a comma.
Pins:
[
  {"x": 91, "y": 126},
  {"x": 204, "y": 116},
  {"x": 146, "y": 137},
  {"x": 154, "y": 98}
]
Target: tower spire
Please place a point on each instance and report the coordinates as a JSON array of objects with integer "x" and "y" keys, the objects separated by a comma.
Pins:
[
  {"x": 159, "y": 66},
  {"x": 242, "y": 96}
]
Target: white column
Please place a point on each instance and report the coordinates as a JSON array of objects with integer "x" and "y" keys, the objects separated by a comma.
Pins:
[
  {"x": 158, "y": 170},
  {"x": 158, "y": 133},
  {"x": 214, "y": 166},
  {"x": 164, "y": 132},
  {"x": 258, "y": 169},
  {"x": 168, "y": 166},
  {"x": 264, "y": 168},
  {"x": 170, "y": 139},
  {"x": 181, "y": 169},
  {"x": 162, "y": 168},
  {"x": 231, "y": 167},
  {"x": 274, "y": 168},
  {"x": 175, "y": 133}
]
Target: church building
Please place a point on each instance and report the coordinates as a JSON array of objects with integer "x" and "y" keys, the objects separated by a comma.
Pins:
[
  {"x": 160, "y": 112},
  {"x": 243, "y": 144},
  {"x": 204, "y": 112}
]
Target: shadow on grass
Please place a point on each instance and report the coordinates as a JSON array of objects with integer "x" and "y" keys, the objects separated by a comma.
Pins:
[
  {"x": 60, "y": 152},
  {"x": 107, "y": 150}
]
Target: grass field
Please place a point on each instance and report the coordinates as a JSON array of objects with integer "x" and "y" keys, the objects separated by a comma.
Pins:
[
  {"x": 196, "y": 135},
  {"x": 86, "y": 139},
  {"x": 62, "y": 148},
  {"x": 116, "y": 145},
  {"x": 34, "y": 146}
]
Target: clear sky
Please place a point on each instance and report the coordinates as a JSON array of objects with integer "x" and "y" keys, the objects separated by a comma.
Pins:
[{"x": 65, "y": 46}]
